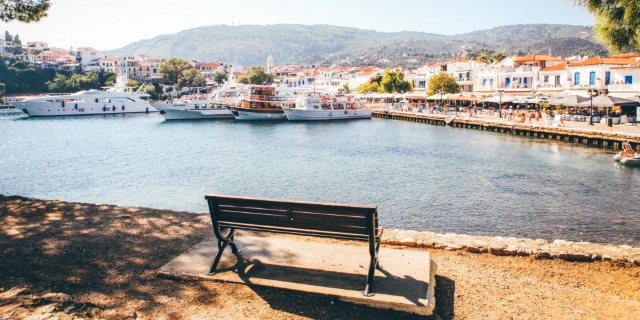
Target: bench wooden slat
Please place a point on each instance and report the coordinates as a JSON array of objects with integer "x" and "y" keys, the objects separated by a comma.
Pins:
[
  {"x": 292, "y": 205},
  {"x": 312, "y": 232},
  {"x": 294, "y": 224},
  {"x": 327, "y": 218},
  {"x": 225, "y": 215}
]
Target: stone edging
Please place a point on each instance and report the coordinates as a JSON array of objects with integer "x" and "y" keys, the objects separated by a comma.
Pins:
[{"x": 510, "y": 246}]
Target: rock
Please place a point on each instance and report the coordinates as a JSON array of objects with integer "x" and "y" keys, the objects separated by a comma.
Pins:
[
  {"x": 473, "y": 249},
  {"x": 56, "y": 297},
  {"x": 579, "y": 256},
  {"x": 131, "y": 314},
  {"x": 543, "y": 254},
  {"x": 511, "y": 250},
  {"x": 496, "y": 251},
  {"x": 523, "y": 252},
  {"x": 12, "y": 293},
  {"x": 454, "y": 247},
  {"x": 393, "y": 242},
  {"x": 606, "y": 257},
  {"x": 561, "y": 243},
  {"x": 409, "y": 242},
  {"x": 439, "y": 245},
  {"x": 563, "y": 255},
  {"x": 624, "y": 246},
  {"x": 541, "y": 242}
]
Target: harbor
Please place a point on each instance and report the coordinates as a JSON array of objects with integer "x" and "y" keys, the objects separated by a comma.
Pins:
[{"x": 577, "y": 132}]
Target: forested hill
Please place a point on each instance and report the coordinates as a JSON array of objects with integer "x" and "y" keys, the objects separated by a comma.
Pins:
[{"x": 252, "y": 44}]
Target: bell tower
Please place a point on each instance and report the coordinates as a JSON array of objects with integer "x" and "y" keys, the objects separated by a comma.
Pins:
[{"x": 270, "y": 64}]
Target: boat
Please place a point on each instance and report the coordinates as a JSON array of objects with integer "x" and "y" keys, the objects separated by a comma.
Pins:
[
  {"x": 627, "y": 152},
  {"x": 316, "y": 107},
  {"x": 118, "y": 99},
  {"x": 207, "y": 106},
  {"x": 261, "y": 103}
]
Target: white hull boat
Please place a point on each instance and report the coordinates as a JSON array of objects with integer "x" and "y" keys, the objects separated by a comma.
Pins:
[
  {"x": 262, "y": 103},
  {"x": 115, "y": 100},
  {"x": 315, "y": 108},
  {"x": 256, "y": 114}
]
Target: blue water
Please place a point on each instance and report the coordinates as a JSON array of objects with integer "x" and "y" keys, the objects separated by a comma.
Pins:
[{"x": 421, "y": 177}]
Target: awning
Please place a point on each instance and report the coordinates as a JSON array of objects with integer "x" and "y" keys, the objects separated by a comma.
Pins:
[
  {"x": 437, "y": 96},
  {"x": 608, "y": 102},
  {"x": 496, "y": 99},
  {"x": 571, "y": 101}
]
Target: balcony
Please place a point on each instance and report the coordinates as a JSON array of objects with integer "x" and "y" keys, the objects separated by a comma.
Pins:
[{"x": 624, "y": 88}]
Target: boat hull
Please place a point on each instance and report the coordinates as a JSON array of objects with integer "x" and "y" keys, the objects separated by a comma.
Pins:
[
  {"x": 318, "y": 115},
  {"x": 173, "y": 112},
  {"x": 630, "y": 161},
  {"x": 246, "y": 114},
  {"x": 47, "y": 109}
]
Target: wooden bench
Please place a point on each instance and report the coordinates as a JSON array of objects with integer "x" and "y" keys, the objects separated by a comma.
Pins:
[{"x": 348, "y": 222}]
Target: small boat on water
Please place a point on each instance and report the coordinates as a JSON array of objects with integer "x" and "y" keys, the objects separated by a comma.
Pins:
[
  {"x": 627, "y": 156},
  {"x": 202, "y": 106},
  {"x": 316, "y": 107},
  {"x": 261, "y": 103}
]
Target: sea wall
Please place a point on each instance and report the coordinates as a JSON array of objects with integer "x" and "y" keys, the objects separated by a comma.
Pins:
[{"x": 510, "y": 246}]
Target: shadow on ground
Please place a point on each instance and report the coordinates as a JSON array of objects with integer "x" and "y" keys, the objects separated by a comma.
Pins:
[{"x": 108, "y": 255}]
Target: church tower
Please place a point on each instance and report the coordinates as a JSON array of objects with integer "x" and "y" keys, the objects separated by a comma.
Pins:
[{"x": 270, "y": 64}]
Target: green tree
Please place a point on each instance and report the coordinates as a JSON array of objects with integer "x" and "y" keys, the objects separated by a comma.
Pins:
[
  {"x": 367, "y": 87},
  {"x": 2, "y": 90},
  {"x": 8, "y": 36},
  {"x": 15, "y": 49},
  {"x": 256, "y": 75},
  {"x": 498, "y": 56},
  {"x": 17, "y": 40},
  {"x": 484, "y": 58},
  {"x": 191, "y": 78},
  {"x": 58, "y": 84},
  {"x": 617, "y": 22},
  {"x": 220, "y": 77},
  {"x": 443, "y": 81},
  {"x": 135, "y": 84},
  {"x": 23, "y": 10},
  {"x": 393, "y": 81},
  {"x": 345, "y": 88},
  {"x": 171, "y": 69}
]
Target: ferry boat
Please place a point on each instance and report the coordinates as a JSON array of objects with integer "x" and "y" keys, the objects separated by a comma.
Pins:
[
  {"x": 113, "y": 100},
  {"x": 262, "y": 103},
  {"x": 210, "y": 106},
  {"x": 316, "y": 107}
]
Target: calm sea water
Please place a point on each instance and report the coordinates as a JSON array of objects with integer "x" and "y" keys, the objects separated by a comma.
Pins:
[{"x": 421, "y": 177}]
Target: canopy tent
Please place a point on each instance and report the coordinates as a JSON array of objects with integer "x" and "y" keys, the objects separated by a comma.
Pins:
[
  {"x": 454, "y": 97},
  {"x": 416, "y": 95},
  {"x": 571, "y": 101},
  {"x": 496, "y": 99},
  {"x": 605, "y": 101},
  {"x": 387, "y": 95},
  {"x": 437, "y": 96}
]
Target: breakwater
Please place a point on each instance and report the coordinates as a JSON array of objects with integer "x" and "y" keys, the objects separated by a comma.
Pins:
[{"x": 612, "y": 140}]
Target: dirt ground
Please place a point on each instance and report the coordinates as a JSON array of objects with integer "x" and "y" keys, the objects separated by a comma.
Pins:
[{"x": 105, "y": 258}]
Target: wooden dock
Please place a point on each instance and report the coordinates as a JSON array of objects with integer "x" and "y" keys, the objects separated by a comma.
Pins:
[{"x": 586, "y": 137}]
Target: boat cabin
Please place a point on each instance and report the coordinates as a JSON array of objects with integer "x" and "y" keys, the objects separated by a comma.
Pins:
[{"x": 323, "y": 103}]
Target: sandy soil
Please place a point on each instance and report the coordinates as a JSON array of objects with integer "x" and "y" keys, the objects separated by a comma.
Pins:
[{"x": 106, "y": 256}]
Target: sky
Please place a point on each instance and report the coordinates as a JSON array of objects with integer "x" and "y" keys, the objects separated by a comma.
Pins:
[{"x": 111, "y": 24}]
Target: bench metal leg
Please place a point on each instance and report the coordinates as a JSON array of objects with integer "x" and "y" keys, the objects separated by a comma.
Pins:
[
  {"x": 373, "y": 265},
  {"x": 223, "y": 242}
]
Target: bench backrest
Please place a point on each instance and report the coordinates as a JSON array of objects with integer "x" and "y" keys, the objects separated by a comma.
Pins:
[{"x": 294, "y": 217}]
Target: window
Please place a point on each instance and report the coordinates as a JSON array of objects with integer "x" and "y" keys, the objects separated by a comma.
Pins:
[
  {"x": 628, "y": 79},
  {"x": 546, "y": 79},
  {"x": 592, "y": 78},
  {"x": 576, "y": 78},
  {"x": 491, "y": 83},
  {"x": 607, "y": 77},
  {"x": 422, "y": 84},
  {"x": 558, "y": 80},
  {"x": 484, "y": 82}
]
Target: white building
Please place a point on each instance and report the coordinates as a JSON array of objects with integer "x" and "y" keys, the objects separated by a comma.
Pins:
[{"x": 87, "y": 55}]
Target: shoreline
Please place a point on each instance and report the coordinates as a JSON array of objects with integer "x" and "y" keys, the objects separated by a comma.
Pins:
[{"x": 107, "y": 257}]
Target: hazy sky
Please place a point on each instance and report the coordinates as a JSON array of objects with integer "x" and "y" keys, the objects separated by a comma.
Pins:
[{"x": 110, "y": 24}]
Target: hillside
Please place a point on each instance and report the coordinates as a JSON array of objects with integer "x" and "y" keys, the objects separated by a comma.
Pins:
[{"x": 325, "y": 44}]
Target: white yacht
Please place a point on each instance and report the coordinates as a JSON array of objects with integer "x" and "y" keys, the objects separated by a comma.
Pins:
[
  {"x": 209, "y": 106},
  {"x": 113, "y": 100},
  {"x": 261, "y": 103},
  {"x": 314, "y": 107}
]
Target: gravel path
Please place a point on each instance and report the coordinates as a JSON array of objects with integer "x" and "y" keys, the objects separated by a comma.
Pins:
[{"x": 104, "y": 258}]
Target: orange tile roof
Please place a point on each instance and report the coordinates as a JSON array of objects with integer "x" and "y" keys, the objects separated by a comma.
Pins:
[
  {"x": 557, "y": 67},
  {"x": 212, "y": 64},
  {"x": 460, "y": 59},
  {"x": 238, "y": 74},
  {"x": 537, "y": 57},
  {"x": 603, "y": 60},
  {"x": 626, "y": 55}
]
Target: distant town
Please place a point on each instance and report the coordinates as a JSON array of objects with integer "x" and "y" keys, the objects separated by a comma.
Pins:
[{"x": 535, "y": 74}]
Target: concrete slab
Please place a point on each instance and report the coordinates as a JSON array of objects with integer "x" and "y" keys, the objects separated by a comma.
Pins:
[{"x": 407, "y": 282}]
